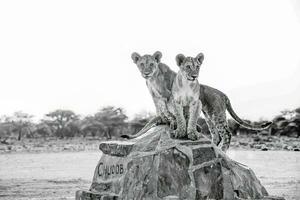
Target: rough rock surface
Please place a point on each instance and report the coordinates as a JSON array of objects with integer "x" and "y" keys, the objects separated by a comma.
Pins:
[{"x": 156, "y": 166}]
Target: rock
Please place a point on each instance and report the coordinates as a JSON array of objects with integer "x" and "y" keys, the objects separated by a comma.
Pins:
[
  {"x": 264, "y": 148},
  {"x": 155, "y": 166},
  {"x": 243, "y": 143},
  {"x": 289, "y": 148},
  {"x": 94, "y": 196},
  {"x": 264, "y": 133},
  {"x": 256, "y": 139},
  {"x": 268, "y": 139},
  {"x": 257, "y": 146}
]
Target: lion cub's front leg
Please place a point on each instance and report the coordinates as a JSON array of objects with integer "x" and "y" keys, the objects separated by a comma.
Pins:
[
  {"x": 194, "y": 111},
  {"x": 180, "y": 131}
]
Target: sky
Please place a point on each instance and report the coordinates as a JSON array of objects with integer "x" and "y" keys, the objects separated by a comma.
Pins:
[{"x": 68, "y": 54}]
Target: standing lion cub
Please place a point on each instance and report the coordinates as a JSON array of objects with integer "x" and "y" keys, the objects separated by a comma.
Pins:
[
  {"x": 213, "y": 103},
  {"x": 186, "y": 96}
]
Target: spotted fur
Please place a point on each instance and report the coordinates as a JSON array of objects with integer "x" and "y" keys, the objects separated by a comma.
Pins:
[
  {"x": 186, "y": 96},
  {"x": 214, "y": 103},
  {"x": 214, "y": 106}
]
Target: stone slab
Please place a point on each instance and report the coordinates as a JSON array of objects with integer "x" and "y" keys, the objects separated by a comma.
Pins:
[{"x": 88, "y": 195}]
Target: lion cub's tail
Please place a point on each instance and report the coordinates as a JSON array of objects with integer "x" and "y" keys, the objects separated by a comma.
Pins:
[
  {"x": 243, "y": 123},
  {"x": 150, "y": 124}
]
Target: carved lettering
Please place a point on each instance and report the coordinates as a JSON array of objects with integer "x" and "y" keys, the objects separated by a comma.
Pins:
[
  {"x": 121, "y": 168},
  {"x": 117, "y": 169},
  {"x": 100, "y": 172},
  {"x": 107, "y": 170},
  {"x": 112, "y": 169}
]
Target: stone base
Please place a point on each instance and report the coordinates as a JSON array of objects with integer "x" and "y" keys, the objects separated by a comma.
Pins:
[
  {"x": 156, "y": 166},
  {"x": 88, "y": 195}
]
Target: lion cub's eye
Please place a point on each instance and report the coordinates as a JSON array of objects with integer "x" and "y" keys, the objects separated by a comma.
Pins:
[
  {"x": 142, "y": 64},
  {"x": 151, "y": 64},
  {"x": 188, "y": 66}
]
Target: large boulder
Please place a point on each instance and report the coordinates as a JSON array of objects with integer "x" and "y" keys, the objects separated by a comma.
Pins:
[{"x": 155, "y": 166}]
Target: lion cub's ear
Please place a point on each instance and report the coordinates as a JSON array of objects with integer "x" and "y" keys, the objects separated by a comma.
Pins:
[
  {"x": 157, "y": 56},
  {"x": 179, "y": 59},
  {"x": 135, "y": 57},
  {"x": 200, "y": 58}
]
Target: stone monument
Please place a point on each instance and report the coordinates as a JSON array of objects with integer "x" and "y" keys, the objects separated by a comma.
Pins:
[{"x": 155, "y": 166}]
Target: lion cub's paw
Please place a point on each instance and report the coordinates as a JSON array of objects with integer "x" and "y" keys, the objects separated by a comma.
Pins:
[
  {"x": 193, "y": 134},
  {"x": 179, "y": 133}
]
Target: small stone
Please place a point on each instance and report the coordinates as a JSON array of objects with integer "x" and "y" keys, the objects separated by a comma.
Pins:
[
  {"x": 289, "y": 148},
  {"x": 256, "y": 139},
  {"x": 264, "y": 148},
  {"x": 257, "y": 146},
  {"x": 243, "y": 143},
  {"x": 3, "y": 148}
]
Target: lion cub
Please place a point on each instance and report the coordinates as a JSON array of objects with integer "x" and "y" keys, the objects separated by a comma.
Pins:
[
  {"x": 159, "y": 79},
  {"x": 186, "y": 96},
  {"x": 213, "y": 104}
]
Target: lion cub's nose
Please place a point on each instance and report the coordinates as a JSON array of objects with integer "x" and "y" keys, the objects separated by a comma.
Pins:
[{"x": 194, "y": 76}]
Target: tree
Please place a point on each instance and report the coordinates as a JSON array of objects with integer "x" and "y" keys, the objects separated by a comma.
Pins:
[
  {"x": 73, "y": 128},
  {"x": 297, "y": 110},
  {"x": 43, "y": 129},
  {"x": 288, "y": 113},
  {"x": 113, "y": 120},
  {"x": 21, "y": 123},
  {"x": 5, "y": 131},
  {"x": 295, "y": 120},
  {"x": 139, "y": 121},
  {"x": 59, "y": 119},
  {"x": 90, "y": 125}
]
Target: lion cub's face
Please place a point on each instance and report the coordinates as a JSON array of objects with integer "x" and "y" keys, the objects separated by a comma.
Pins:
[
  {"x": 147, "y": 64},
  {"x": 190, "y": 66}
]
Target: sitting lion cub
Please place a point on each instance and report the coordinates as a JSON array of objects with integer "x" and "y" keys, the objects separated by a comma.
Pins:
[
  {"x": 186, "y": 96},
  {"x": 159, "y": 79}
]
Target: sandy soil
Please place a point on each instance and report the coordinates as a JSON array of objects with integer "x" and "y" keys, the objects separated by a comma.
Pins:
[{"x": 59, "y": 175}]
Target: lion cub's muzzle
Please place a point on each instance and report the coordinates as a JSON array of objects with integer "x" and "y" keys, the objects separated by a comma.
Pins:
[
  {"x": 147, "y": 74},
  {"x": 192, "y": 77}
]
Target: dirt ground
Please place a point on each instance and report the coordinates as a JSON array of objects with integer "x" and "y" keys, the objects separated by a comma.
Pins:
[
  {"x": 52, "y": 176},
  {"x": 77, "y": 144}
]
